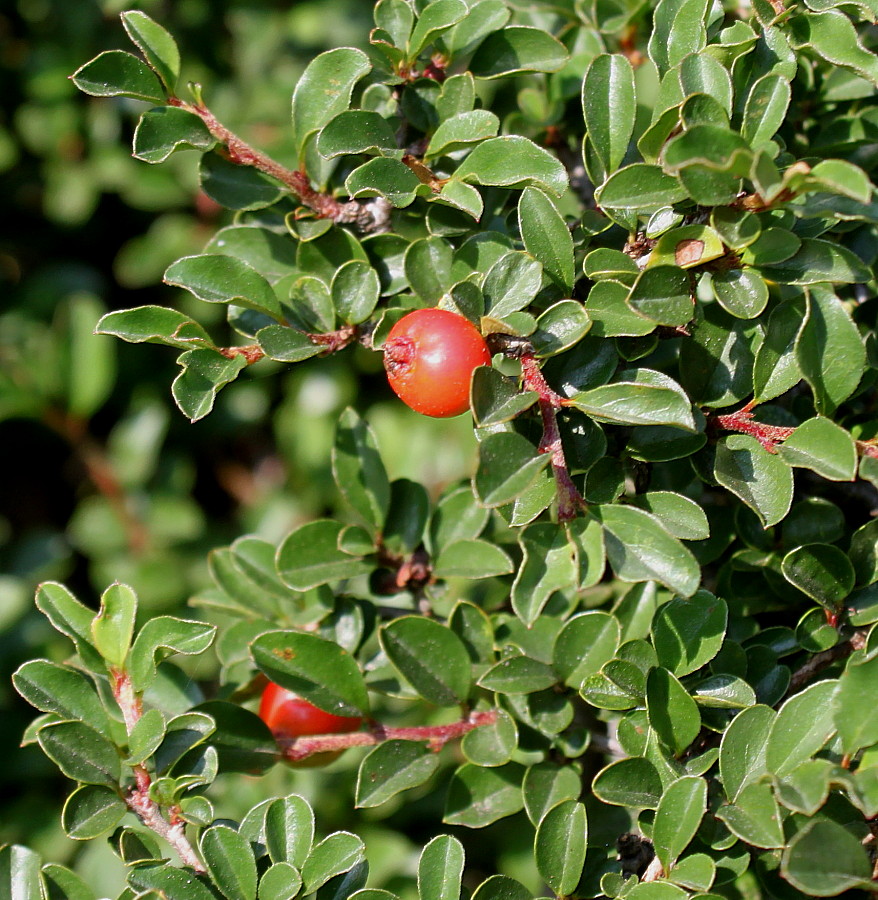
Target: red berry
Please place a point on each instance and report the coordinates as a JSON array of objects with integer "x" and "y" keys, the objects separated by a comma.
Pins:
[
  {"x": 430, "y": 355},
  {"x": 289, "y": 717}
]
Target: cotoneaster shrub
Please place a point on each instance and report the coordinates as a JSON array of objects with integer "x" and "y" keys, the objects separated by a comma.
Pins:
[{"x": 645, "y": 627}]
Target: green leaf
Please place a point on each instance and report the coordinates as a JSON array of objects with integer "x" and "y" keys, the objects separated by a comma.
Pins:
[
  {"x": 832, "y": 35},
  {"x": 279, "y": 881},
  {"x": 518, "y": 675},
  {"x": 115, "y": 73},
  {"x": 640, "y": 187},
  {"x": 518, "y": 48},
  {"x": 435, "y": 19},
  {"x": 205, "y": 373},
  {"x": 478, "y": 796},
  {"x": 168, "y": 882},
  {"x": 765, "y": 109},
  {"x": 161, "y": 637},
  {"x": 583, "y": 645},
  {"x": 91, "y": 811},
  {"x": 776, "y": 369},
  {"x": 513, "y": 161},
  {"x": 761, "y": 479},
  {"x": 501, "y": 887},
  {"x": 825, "y": 858},
  {"x": 709, "y": 160},
  {"x": 159, "y": 48},
  {"x": 815, "y": 262},
  {"x": 856, "y": 705},
  {"x": 440, "y": 869},
  {"x": 496, "y": 398},
  {"x": 677, "y": 818},
  {"x": 546, "y": 236},
  {"x": 334, "y": 855},
  {"x": 559, "y": 846},
  {"x": 81, "y": 753},
  {"x": 827, "y": 335},
  {"x": 687, "y": 634},
  {"x": 61, "y": 690},
  {"x": 549, "y": 564},
  {"x": 492, "y": 744},
  {"x": 396, "y": 18},
  {"x": 638, "y": 397},
  {"x": 431, "y": 657},
  {"x": 664, "y": 294},
  {"x": 230, "y": 861},
  {"x": 358, "y": 469},
  {"x": 639, "y": 549},
  {"x": 630, "y": 782},
  {"x": 68, "y": 616},
  {"x": 472, "y": 559},
  {"x": 286, "y": 344},
  {"x": 724, "y": 691},
  {"x": 20, "y": 872},
  {"x": 821, "y": 571},
  {"x": 391, "y": 767},
  {"x": 683, "y": 517},
  {"x": 64, "y": 884},
  {"x": 165, "y": 129},
  {"x": 224, "y": 279},
  {"x": 237, "y": 187},
  {"x": 155, "y": 324},
  {"x": 508, "y": 465},
  {"x": 511, "y": 284},
  {"x": 459, "y": 131},
  {"x": 355, "y": 290},
  {"x": 289, "y": 830},
  {"x": 609, "y": 107},
  {"x": 672, "y": 713},
  {"x": 755, "y": 817},
  {"x": 324, "y": 91},
  {"x": 547, "y": 784},
  {"x": 113, "y": 626},
  {"x": 321, "y": 671},
  {"x": 310, "y": 556},
  {"x": 803, "y": 725},
  {"x": 428, "y": 268},
  {"x": 741, "y": 292},
  {"x": 678, "y": 30},
  {"x": 385, "y": 177},
  {"x": 356, "y": 131}
]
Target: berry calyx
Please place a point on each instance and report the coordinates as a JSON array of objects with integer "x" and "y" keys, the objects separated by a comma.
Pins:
[
  {"x": 289, "y": 716},
  {"x": 430, "y": 355}
]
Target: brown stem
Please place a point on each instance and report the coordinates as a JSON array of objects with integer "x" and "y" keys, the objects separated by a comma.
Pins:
[
  {"x": 101, "y": 474},
  {"x": 570, "y": 501},
  {"x": 252, "y": 353},
  {"x": 819, "y": 661},
  {"x": 367, "y": 217},
  {"x": 435, "y": 736},
  {"x": 137, "y": 798},
  {"x": 769, "y": 436}
]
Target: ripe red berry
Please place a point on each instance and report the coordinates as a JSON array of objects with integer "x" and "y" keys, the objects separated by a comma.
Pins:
[
  {"x": 289, "y": 716},
  {"x": 430, "y": 355}
]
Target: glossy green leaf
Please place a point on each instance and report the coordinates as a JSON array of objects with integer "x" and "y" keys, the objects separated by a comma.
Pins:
[
  {"x": 431, "y": 657},
  {"x": 204, "y": 373},
  {"x": 546, "y": 236},
  {"x": 496, "y": 398},
  {"x": 741, "y": 292},
  {"x": 492, "y": 744},
  {"x": 761, "y": 479},
  {"x": 310, "y": 556},
  {"x": 832, "y": 35},
  {"x": 803, "y": 725},
  {"x": 663, "y": 294},
  {"x": 754, "y": 817},
  {"x": 776, "y": 367},
  {"x": 560, "y": 844},
  {"x": 478, "y": 796},
  {"x": 91, "y": 811},
  {"x": 513, "y": 161},
  {"x": 672, "y": 712},
  {"x": 289, "y": 830},
  {"x": 358, "y": 469},
  {"x": 165, "y": 129},
  {"x": 279, "y": 881},
  {"x": 237, "y": 187},
  {"x": 61, "y": 690},
  {"x": 641, "y": 187},
  {"x": 681, "y": 516},
  {"x": 472, "y": 559},
  {"x": 584, "y": 644},
  {"x": 230, "y": 861},
  {"x": 518, "y": 675},
  {"x": 334, "y": 855},
  {"x": 391, "y": 767},
  {"x": 765, "y": 109},
  {"x": 829, "y": 334},
  {"x": 161, "y": 637},
  {"x": 825, "y": 858},
  {"x": 548, "y": 564},
  {"x": 115, "y": 73},
  {"x": 677, "y": 818},
  {"x": 609, "y": 107},
  {"x": 501, "y": 887},
  {"x": 440, "y": 869},
  {"x": 155, "y": 324},
  {"x": 81, "y": 753},
  {"x": 321, "y": 671},
  {"x": 511, "y": 283},
  {"x": 518, "y": 48},
  {"x": 547, "y": 784},
  {"x": 508, "y": 465},
  {"x": 324, "y": 90},
  {"x": 639, "y": 549},
  {"x": 356, "y": 131},
  {"x": 630, "y": 782},
  {"x": 385, "y": 177},
  {"x": 159, "y": 48},
  {"x": 113, "y": 626},
  {"x": 678, "y": 30},
  {"x": 428, "y": 268},
  {"x": 856, "y": 705},
  {"x": 821, "y": 571},
  {"x": 687, "y": 634},
  {"x": 435, "y": 18},
  {"x": 459, "y": 131}
]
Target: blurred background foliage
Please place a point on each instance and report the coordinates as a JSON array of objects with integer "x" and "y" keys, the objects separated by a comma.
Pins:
[{"x": 102, "y": 479}]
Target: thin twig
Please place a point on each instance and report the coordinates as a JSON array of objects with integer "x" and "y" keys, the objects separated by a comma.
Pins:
[{"x": 819, "y": 661}]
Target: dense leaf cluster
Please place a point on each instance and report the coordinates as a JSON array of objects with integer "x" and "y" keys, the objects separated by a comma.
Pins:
[{"x": 654, "y": 603}]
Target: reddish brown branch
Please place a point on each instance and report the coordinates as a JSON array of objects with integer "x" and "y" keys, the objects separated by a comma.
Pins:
[
  {"x": 367, "y": 217},
  {"x": 769, "y": 436},
  {"x": 137, "y": 798},
  {"x": 819, "y": 661},
  {"x": 570, "y": 501},
  {"x": 435, "y": 736}
]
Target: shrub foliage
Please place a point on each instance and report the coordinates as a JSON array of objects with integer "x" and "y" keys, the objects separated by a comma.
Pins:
[{"x": 645, "y": 627}]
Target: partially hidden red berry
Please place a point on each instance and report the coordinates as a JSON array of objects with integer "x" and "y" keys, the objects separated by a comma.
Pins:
[
  {"x": 289, "y": 716},
  {"x": 430, "y": 355}
]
